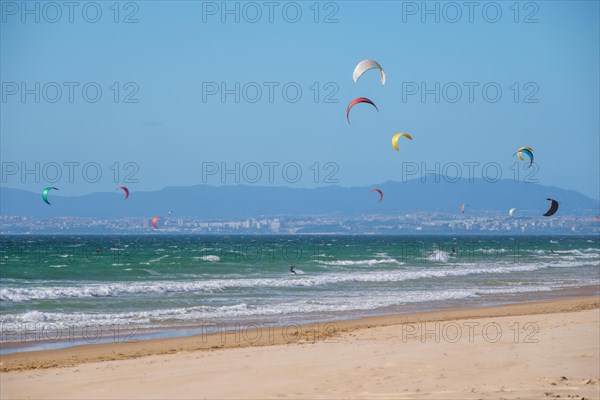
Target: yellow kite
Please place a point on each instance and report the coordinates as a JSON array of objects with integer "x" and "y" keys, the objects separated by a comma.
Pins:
[{"x": 398, "y": 136}]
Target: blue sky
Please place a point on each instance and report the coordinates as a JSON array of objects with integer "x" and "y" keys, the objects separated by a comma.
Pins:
[{"x": 178, "y": 48}]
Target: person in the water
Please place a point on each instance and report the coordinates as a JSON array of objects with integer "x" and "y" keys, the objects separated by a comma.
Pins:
[{"x": 292, "y": 269}]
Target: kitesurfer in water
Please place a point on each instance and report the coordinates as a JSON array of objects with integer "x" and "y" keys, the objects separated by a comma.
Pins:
[{"x": 292, "y": 269}]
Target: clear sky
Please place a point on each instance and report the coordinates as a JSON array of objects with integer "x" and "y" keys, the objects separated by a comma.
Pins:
[{"x": 543, "y": 56}]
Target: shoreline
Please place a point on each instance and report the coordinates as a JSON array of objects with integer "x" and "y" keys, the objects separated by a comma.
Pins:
[
  {"x": 67, "y": 337},
  {"x": 216, "y": 338}
]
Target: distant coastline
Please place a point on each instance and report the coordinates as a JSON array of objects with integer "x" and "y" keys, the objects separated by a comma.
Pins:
[{"x": 368, "y": 224}]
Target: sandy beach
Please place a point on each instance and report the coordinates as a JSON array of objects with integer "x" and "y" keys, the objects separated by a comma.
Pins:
[{"x": 545, "y": 349}]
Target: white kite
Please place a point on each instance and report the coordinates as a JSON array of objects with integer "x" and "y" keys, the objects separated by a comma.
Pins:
[{"x": 366, "y": 65}]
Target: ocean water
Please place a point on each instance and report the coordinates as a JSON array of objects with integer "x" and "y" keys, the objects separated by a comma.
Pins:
[{"x": 165, "y": 282}]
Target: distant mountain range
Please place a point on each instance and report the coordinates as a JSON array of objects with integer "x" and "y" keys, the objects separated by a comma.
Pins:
[{"x": 240, "y": 201}]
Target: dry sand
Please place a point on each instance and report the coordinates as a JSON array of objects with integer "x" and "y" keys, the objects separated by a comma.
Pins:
[{"x": 539, "y": 350}]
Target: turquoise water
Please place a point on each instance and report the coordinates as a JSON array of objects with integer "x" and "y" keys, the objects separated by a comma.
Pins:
[{"x": 160, "y": 282}]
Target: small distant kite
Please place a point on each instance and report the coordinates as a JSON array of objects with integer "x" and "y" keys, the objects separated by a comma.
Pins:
[
  {"x": 553, "y": 208},
  {"x": 462, "y": 208},
  {"x": 511, "y": 211},
  {"x": 525, "y": 150},
  {"x": 398, "y": 136},
  {"x": 380, "y": 193},
  {"x": 366, "y": 65},
  {"x": 45, "y": 194},
  {"x": 355, "y": 102},
  {"x": 125, "y": 190},
  {"x": 155, "y": 221}
]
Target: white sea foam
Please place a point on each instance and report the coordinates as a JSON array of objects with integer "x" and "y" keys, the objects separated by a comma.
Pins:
[
  {"x": 114, "y": 289},
  {"x": 187, "y": 314},
  {"x": 153, "y": 260},
  {"x": 492, "y": 250},
  {"x": 206, "y": 249},
  {"x": 366, "y": 263},
  {"x": 587, "y": 253},
  {"x": 210, "y": 258}
]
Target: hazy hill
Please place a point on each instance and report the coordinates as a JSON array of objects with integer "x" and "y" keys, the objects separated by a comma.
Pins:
[{"x": 245, "y": 201}]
